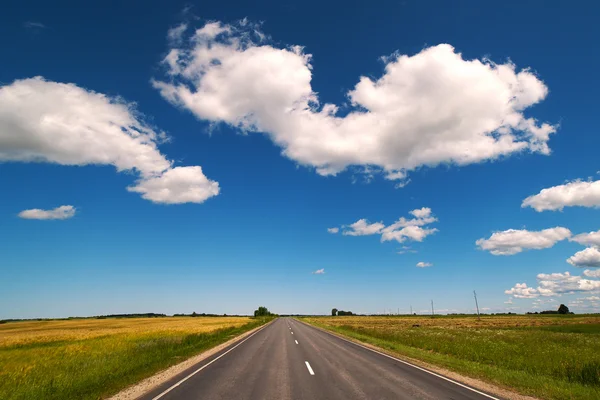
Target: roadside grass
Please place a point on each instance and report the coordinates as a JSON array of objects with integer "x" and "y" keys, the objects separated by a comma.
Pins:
[
  {"x": 92, "y": 359},
  {"x": 546, "y": 357}
]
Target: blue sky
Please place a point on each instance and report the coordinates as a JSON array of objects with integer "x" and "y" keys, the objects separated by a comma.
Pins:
[{"x": 251, "y": 227}]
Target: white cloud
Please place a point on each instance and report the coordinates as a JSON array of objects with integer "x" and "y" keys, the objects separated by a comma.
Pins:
[
  {"x": 415, "y": 233},
  {"x": 406, "y": 249},
  {"x": 509, "y": 301},
  {"x": 421, "y": 212},
  {"x": 62, "y": 212},
  {"x": 555, "y": 284},
  {"x": 177, "y": 185},
  {"x": 543, "y": 301},
  {"x": 575, "y": 193},
  {"x": 362, "y": 227},
  {"x": 422, "y": 264},
  {"x": 427, "y": 109},
  {"x": 34, "y": 25},
  {"x": 591, "y": 298},
  {"x": 514, "y": 241},
  {"x": 175, "y": 34},
  {"x": 589, "y": 257},
  {"x": 319, "y": 271},
  {"x": 410, "y": 228},
  {"x": 592, "y": 273},
  {"x": 587, "y": 239},
  {"x": 400, "y": 231},
  {"x": 333, "y": 230},
  {"x": 44, "y": 121},
  {"x": 521, "y": 291}
]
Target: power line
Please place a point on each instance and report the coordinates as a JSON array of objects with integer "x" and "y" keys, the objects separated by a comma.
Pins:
[{"x": 476, "y": 305}]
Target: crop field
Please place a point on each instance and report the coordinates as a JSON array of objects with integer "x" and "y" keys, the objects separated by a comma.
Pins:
[
  {"x": 550, "y": 357},
  {"x": 94, "y": 358}
]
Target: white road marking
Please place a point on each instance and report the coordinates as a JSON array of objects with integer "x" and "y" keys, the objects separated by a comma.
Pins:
[
  {"x": 310, "y": 371},
  {"x": 205, "y": 365},
  {"x": 292, "y": 333},
  {"x": 407, "y": 363},
  {"x": 296, "y": 341}
]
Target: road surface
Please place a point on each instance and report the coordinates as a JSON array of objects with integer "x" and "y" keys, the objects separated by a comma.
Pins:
[{"x": 288, "y": 359}]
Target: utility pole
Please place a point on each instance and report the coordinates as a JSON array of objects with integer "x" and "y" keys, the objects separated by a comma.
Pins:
[
  {"x": 476, "y": 305},
  {"x": 432, "y": 312}
]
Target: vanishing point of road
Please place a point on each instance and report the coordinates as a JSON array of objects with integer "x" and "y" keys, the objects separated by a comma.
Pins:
[{"x": 288, "y": 359}]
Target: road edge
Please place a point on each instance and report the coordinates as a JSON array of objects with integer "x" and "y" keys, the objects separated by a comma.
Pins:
[
  {"x": 474, "y": 383},
  {"x": 146, "y": 385}
]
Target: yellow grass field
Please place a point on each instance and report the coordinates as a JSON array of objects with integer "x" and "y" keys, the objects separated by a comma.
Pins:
[
  {"x": 81, "y": 329},
  {"x": 548, "y": 356},
  {"x": 93, "y": 358}
]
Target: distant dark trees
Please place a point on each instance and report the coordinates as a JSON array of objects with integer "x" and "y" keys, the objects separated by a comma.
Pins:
[
  {"x": 262, "y": 312},
  {"x": 563, "y": 309},
  {"x": 146, "y": 315},
  {"x": 195, "y": 314},
  {"x": 342, "y": 313},
  {"x": 334, "y": 312}
]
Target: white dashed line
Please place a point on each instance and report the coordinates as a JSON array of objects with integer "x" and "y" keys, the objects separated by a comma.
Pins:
[
  {"x": 292, "y": 333},
  {"x": 296, "y": 341},
  {"x": 310, "y": 371}
]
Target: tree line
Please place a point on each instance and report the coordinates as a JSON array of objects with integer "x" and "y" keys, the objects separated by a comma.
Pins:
[{"x": 336, "y": 312}]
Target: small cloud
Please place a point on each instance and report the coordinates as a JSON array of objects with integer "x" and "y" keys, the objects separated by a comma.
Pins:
[
  {"x": 589, "y": 257},
  {"x": 319, "y": 271},
  {"x": 509, "y": 301},
  {"x": 406, "y": 249},
  {"x": 175, "y": 34},
  {"x": 62, "y": 212},
  {"x": 513, "y": 241},
  {"x": 422, "y": 264},
  {"x": 34, "y": 25},
  {"x": 333, "y": 230}
]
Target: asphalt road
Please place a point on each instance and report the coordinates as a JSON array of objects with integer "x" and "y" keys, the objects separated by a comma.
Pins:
[{"x": 291, "y": 360}]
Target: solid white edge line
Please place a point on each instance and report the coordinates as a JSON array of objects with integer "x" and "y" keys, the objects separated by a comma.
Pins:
[
  {"x": 206, "y": 365},
  {"x": 407, "y": 363},
  {"x": 296, "y": 341},
  {"x": 310, "y": 370}
]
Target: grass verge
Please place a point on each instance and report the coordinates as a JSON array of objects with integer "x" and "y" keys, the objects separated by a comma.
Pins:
[
  {"x": 549, "y": 362},
  {"x": 97, "y": 367}
]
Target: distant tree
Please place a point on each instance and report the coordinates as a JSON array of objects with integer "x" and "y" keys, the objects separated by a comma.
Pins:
[
  {"x": 194, "y": 314},
  {"x": 262, "y": 312},
  {"x": 563, "y": 309},
  {"x": 334, "y": 312},
  {"x": 342, "y": 313}
]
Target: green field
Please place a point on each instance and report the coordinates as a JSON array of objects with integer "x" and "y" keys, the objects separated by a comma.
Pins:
[
  {"x": 550, "y": 357},
  {"x": 94, "y": 358}
]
